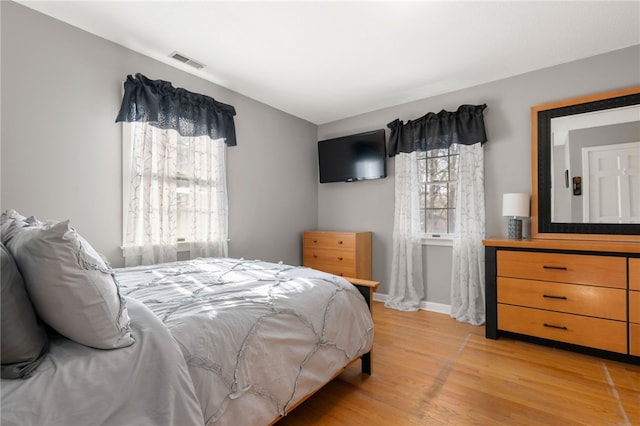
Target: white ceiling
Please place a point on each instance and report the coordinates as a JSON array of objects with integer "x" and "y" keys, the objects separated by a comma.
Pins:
[{"x": 323, "y": 61}]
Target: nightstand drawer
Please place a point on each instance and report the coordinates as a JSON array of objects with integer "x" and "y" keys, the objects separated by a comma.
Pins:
[
  {"x": 634, "y": 307},
  {"x": 610, "y": 303},
  {"x": 597, "y": 333},
  {"x": 567, "y": 268},
  {"x": 330, "y": 240}
]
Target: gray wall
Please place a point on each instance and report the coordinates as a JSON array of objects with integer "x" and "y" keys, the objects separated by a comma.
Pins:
[
  {"x": 369, "y": 205},
  {"x": 61, "y": 150}
]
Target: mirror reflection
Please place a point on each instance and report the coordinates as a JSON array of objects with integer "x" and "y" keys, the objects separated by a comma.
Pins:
[{"x": 595, "y": 176}]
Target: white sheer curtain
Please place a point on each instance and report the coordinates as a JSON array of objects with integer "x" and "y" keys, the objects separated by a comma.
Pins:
[
  {"x": 467, "y": 276},
  {"x": 208, "y": 209},
  {"x": 406, "y": 288},
  {"x": 157, "y": 208},
  {"x": 150, "y": 227}
]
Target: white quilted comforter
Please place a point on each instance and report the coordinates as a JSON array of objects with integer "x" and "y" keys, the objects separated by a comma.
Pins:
[
  {"x": 145, "y": 384},
  {"x": 256, "y": 336}
]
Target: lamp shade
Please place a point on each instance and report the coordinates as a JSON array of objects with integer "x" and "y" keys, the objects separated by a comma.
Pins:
[{"x": 515, "y": 205}]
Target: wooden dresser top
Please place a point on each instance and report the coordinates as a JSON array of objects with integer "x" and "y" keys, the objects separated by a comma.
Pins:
[{"x": 586, "y": 245}]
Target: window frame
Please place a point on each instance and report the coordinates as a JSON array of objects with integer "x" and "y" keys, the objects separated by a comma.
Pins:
[
  {"x": 125, "y": 178},
  {"x": 433, "y": 238}
]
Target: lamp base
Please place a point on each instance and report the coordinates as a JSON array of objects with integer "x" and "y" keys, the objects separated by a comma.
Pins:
[{"x": 515, "y": 229}]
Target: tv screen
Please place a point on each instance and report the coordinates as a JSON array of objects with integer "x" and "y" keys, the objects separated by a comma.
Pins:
[{"x": 353, "y": 157}]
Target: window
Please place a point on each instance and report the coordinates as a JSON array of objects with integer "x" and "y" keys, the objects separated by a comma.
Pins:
[
  {"x": 438, "y": 174},
  {"x": 174, "y": 191},
  {"x": 174, "y": 182}
]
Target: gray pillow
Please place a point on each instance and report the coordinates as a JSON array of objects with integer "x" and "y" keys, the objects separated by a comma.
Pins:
[
  {"x": 71, "y": 287},
  {"x": 23, "y": 344},
  {"x": 7, "y": 218}
]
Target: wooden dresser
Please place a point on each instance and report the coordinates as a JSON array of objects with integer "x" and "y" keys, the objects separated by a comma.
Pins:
[
  {"x": 578, "y": 295},
  {"x": 634, "y": 307},
  {"x": 347, "y": 254}
]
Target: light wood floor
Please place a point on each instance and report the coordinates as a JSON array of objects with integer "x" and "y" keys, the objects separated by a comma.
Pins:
[{"x": 429, "y": 369}]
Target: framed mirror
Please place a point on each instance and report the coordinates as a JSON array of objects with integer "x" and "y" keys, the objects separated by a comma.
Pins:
[{"x": 586, "y": 167}]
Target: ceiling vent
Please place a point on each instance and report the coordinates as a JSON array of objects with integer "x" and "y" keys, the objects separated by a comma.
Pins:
[{"x": 186, "y": 60}]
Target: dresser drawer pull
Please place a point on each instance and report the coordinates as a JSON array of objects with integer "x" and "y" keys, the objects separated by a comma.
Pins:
[
  {"x": 559, "y": 268},
  {"x": 561, "y": 327},
  {"x": 315, "y": 256},
  {"x": 340, "y": 242},
  {"x": 339, "y": 257},
  {"x": 554, "y": 297}
]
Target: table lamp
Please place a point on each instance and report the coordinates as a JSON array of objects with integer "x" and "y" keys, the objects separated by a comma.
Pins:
[{"x": 515, "y": 205}]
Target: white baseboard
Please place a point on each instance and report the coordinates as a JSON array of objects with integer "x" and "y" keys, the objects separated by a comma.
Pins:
[{"x": 424, "y": 305}]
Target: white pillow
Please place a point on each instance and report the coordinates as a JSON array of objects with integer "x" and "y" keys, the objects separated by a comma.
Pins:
[{"x": 70, "y": 286}]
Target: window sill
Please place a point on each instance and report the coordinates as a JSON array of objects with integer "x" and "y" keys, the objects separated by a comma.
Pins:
[
  {"x": 183, "y": 247},
  {"x": 440, "y": 240}
]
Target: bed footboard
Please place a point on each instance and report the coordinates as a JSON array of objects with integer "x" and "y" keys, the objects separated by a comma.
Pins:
[{"x": 366, "y": 288}]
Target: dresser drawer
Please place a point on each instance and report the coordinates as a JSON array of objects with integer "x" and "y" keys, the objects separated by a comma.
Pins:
[
  {"x": 610, "y": 303},
  {"x": 575, "y": 329},
  {"x": 634, "y": 274},
  {"x": 634, "y": 339},
  {"x": 342, "y": 270},
  {"x": 332, "y": 240},
  {"x": 634, "y": 306},
  {"x": 330, "y": 257},
  {"x": 567, "y": 268}
]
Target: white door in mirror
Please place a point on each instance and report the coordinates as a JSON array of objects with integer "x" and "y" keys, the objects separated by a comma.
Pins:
[{"x": 611, "y": 183}]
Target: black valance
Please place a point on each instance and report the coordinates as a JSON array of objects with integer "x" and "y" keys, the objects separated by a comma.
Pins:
[
  {"x": 167, "y": 107},
  {"x": 438, "y": 131}
]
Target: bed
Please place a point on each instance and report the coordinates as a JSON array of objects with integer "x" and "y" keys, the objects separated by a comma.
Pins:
[
  {"x": 214, "y": 341},
  {"x": 285, "y": 331}
]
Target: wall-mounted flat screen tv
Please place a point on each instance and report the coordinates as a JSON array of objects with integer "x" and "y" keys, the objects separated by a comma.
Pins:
[{"x": 354, "y": 157}]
